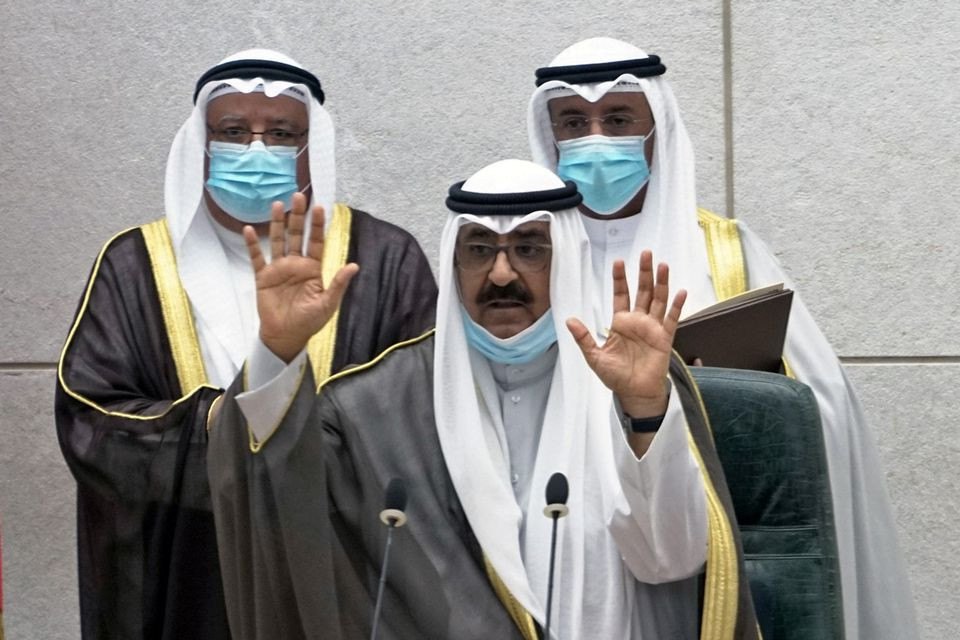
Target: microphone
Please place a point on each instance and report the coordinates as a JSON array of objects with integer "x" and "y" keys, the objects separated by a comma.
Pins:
[
  {"x": 557, "y": 493},
  {"x": 394, "y": 502}
]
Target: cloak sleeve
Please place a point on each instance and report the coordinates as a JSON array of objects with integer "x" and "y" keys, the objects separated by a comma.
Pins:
[
  {"x": 136, "y": 445},
  {"x": 277, "y": 564},
  {"x": 660, "y": 525},
  {"x": 298, "y": 533}
]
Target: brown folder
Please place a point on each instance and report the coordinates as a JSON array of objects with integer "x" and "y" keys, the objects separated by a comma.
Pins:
[{"x": 743, "y": 332}]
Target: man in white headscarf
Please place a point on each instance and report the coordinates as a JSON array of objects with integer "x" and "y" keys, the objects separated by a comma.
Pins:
[
  {"x": 508, "y": 391},
  {"x": 603, "y": 116},
  {"x": 169, "y": 316}
]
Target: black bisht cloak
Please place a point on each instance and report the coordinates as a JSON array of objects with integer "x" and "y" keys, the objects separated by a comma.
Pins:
[{"x": 132, "y": 422}]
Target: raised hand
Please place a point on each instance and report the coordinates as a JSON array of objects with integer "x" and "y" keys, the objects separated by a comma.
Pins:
[
  {"x": 292, "y": 300},
  {"x": 633, "y": 361}
]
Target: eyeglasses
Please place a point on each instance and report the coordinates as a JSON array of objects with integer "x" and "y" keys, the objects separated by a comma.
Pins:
[
  {"x": 613, "y": 123},
  {"x": 524, "y": 257},
  {"x": 271, "y": 137}
]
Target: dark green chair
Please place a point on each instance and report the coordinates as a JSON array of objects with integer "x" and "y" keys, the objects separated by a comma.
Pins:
[{"x": 769, "y": 440}]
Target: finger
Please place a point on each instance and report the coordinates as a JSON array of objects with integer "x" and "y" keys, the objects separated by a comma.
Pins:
[
  {"x": 673, "y": 316},
  {"x": 253, "y": 248},
  {"x": 645, "y": 282},
  {"x": 315, "y": 242},
  {"x": 582, "y": 336},
  {"x": 338, "y": 286},
  {"x": 276, "y": 231},
  {"x": 298, "y": 214},
  {"x": 661, "y": 292},
  {"x": 621, "y": 293}
]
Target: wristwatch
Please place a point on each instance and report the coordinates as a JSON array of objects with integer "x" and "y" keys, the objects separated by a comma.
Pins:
[{"x": 643, "y": 425}]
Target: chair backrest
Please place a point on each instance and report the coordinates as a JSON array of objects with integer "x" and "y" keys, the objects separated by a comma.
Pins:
[{"x": 770, "y": 443}]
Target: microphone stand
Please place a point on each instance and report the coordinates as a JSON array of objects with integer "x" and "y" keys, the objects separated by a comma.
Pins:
[
  {"x": 553, "y": 551},
  {"x": 383, "y": 577},
  {"x": 392, "y": 516},
  {"x": 557, "y": 492}
]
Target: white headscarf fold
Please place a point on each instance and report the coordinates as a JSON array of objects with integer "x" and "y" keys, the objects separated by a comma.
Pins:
[
  {"x": 219, "y": 302},
  {"x": 668, "y": 220}
]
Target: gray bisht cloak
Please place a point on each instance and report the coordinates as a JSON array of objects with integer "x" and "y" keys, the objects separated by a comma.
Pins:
[{"x": 301, "y": 543}]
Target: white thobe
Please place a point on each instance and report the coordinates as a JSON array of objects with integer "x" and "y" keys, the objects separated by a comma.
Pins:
[
  {"x": 523, "y": 391},
  {"x": 610, "y": 240}
]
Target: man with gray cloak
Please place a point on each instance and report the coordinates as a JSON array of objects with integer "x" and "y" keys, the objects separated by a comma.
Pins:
[
  {"x": 169, "y": 316},
  {"x": 603, "y": 116},
  {"x": 508, "y": 390}
]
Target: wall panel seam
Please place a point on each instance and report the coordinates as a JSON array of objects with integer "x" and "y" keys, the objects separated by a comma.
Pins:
[
  {"x": 27, "y": 366},
  {"x": 728, "y": 173}
]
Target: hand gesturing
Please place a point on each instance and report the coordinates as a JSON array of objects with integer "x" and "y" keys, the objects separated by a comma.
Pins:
[
  {"x": 633, "y": 361},
  {"x": 292, "y": 300}
]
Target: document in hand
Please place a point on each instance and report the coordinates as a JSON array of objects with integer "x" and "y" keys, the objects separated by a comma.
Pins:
[{"x": 743, "y": 332}]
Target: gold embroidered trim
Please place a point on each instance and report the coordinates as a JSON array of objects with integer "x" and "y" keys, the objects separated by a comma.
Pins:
[
  {"x": 722, "y": 590},
  {"x": 383, "y": 354},
  {"x": 336, "y": 246},
  {"x": 177, "y": 316},
  {"x": 722, "y": 585},
  {"x": 211, "y": 412},
  {"x": 520, "y": 616},
  {"x": 66, "y": 347},
  {"x": 787, "y": 369},
  {"x": 256, "y": 445},
  {"x": 724, "y": 254}
]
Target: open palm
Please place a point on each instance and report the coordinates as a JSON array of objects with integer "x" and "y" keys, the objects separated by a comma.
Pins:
[
  {"x": 292, "y": 299},
  {"x": 633, "y": 361}
]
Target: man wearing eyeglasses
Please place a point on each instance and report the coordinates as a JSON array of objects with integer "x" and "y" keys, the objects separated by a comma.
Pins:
[
  {"x": 510, "y": 389},
  {"x": 167, "y": 320},
  {"x": 604, "y": 117}
]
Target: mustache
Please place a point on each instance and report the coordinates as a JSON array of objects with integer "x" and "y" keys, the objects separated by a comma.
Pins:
[{"x": 511, "y": 292}]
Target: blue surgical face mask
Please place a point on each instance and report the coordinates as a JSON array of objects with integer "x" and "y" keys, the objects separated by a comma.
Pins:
[
  {"x": 244, "y": 180},
  {"x": 609, "y": 172},
  {"x": 522, "y": 348}
]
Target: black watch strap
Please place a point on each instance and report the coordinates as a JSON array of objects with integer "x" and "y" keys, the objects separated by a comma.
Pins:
[{"x": 643, "y": 425}]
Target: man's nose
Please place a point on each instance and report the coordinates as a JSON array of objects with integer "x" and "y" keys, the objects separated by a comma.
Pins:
[
  {"x": 596, "y": 127},
  {"x": 502, "y": 272}
]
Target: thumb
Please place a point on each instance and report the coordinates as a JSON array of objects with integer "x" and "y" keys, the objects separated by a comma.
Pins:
[
  {"x": 582, "y": 337},
  {"x": 338, "y": 285}
]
